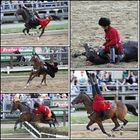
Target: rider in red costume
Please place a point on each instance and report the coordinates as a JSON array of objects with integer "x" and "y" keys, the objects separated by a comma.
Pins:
[
  {"x": 99, "y": 104},
  {"x": 44, "y": 21},
  {"x": 112, "y": 44},
  {"x": 40, "y": 109}
]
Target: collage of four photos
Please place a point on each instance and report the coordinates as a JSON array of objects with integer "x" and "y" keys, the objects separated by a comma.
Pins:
[{"x": 69, "y": 69}]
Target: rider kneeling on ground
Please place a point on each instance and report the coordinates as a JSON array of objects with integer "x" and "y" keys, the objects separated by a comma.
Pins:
[
  {"x": 40, "y": 109},
  {"x": 99, "y": 104},
  {"x": 113, "y": 45}
]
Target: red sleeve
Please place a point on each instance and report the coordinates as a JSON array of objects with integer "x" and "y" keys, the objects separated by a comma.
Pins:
[{"x": 113, "y": 39}]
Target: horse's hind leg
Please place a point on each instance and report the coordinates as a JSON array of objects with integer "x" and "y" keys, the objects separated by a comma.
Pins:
[
  {"x": 103, "y": 130},
  {"x": 116, "y": 123},
  {"x": 43, "y": 80},
  {"x": 124, "y": 123},
  {"x": 43, "y": 29}
]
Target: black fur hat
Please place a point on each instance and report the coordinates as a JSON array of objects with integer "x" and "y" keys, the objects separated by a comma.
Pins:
[{"x": 104, "y": 21}]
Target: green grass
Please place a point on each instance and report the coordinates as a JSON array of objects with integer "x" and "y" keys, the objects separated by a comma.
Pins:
[
  {"x": 27, "y": 73},
  {"x": 62, "y": 130},
  {"x": 11, "y": 130},
  {"x": 84, "y": 119},
  {"x": 49, "y": 27}
]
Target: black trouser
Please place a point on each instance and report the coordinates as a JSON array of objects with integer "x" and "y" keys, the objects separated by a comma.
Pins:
[
  {"x": 112, "y": 50},
  {"x": 95, "y": 89}
]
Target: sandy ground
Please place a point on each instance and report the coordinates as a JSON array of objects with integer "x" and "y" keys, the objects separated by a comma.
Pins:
[
  {"x": 48, "y": 38},
  {"x": 79, "y": 131},
  {"x": 17, "y": 84},
  {"x": 85, "y": 28}
]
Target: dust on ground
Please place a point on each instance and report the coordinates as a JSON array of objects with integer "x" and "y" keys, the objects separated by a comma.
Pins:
[
  {"x": 17, "y": 84},
  {"x": 130, "y": 131},
  {"x": 46, "y": 39},
  {"x": 85, "y": 28}
]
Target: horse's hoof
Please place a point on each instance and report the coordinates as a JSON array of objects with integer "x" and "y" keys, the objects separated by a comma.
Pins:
[
  {"x": 121, "y": 133},
  {"x": 25, "y": 87},
  {"x": 113, "y": 136},
  {"x": 108, "y": 135},
  {"x": 38, "y": 38}
]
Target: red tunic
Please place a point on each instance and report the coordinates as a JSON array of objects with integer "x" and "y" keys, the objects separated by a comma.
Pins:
[
  {"x": 112, "y": 38},
  {"x": 100, "y": 104},
  {"x": 42, "y": 109},
  {"x": 43, "y": 22}
]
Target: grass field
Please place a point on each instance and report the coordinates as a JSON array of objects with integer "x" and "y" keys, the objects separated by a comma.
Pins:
[
  {"x": 83, "y": 119},
  {"x": 49, "y": 27},
  {"x": 11, "y": 130},
  {"x": 27, "y": 73}
]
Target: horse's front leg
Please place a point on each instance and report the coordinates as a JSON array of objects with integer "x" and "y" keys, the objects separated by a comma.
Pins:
[
  {"x": 16, "y": 124},
  {"x": 102, "y": 128},
  {"x": 25, "y": 29},
  {"x": 29, "y": 79},
  {"x": 89, "y": 124},
  {"x": 20, "y": 125},
  {"x": 45, "y": 80}
]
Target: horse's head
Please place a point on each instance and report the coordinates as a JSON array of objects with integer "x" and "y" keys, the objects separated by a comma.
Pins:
[
  {"x": 15, "y": 106},
  {"x": 78, "y": 99},
  {"x": 34, "y": 59},
  {"x": 23, "y": 12}
]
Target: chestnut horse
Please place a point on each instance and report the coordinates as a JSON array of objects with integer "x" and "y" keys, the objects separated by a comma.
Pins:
[
  {"x": 37, "y": 70},
  {"x": 27, "y": 115},
  {"x": 117, "y": 110}
]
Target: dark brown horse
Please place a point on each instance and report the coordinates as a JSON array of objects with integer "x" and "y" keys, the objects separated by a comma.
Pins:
[
  {"x": 117, "y": 110},
  {"x": 130, "y": 53},
  {"x": 30, "y": 21},
  {"x": 27, "y": 115}
]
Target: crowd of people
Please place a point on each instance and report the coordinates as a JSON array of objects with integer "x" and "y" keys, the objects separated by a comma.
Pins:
[
  {"x": 105, "y": 80},
  {"x": 30, "y": 99},
  {"x": 13, "y": 4}
]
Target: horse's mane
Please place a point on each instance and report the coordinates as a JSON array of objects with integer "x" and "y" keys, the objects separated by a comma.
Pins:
[
  {"x": 88, "y": 97},
  {"x": 24, "y": 105}
]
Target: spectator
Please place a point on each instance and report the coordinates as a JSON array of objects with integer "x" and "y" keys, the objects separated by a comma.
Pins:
[
  {"x": 64, "y": 96},
  {"x": 57, "y": 97},
  {"x": 130, "y": 80},
  {"x": 101, "y": 81},
  {"x": 76, "y": 86}
]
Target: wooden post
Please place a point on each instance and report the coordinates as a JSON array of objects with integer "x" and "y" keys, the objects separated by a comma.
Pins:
[
  {"x": 64, "y": 118},
  {"x": 11, "y": 62}
]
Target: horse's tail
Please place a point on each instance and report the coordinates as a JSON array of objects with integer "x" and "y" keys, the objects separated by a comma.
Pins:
[
  {"x": 131, "y": 109},
  {"x": 54, "y": 117}
]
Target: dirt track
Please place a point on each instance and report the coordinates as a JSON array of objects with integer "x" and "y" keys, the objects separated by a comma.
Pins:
[
  {"x": 129, "y": 132},
  {"x": 48, "y": 38},
  {"x": 85, "y": 28},
  {"x": 17, "y": 84}
]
